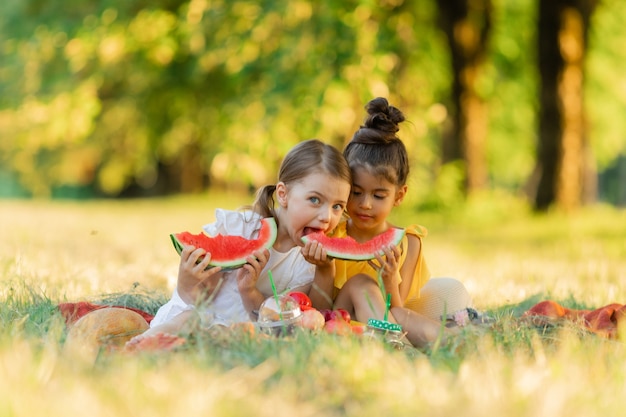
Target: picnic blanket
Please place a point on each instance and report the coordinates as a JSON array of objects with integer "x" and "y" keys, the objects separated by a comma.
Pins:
[
  {"x": 73, "y": 311},
  {"x": 603, "y": 321},
  {"x": 159, "y": 342}
]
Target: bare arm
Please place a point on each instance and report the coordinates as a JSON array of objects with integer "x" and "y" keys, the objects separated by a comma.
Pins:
[
  {"x": 247, "y": 278},
  {"x": 407, "y": 271},
  {"x": 321, "y": 293}
]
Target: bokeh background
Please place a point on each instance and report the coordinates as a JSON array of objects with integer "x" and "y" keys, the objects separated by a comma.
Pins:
[{"x": 135, "y": 98}]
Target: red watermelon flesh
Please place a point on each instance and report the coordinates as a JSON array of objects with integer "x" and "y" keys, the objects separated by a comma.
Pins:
[
  {"x": 228, "y": 251},
  {"x": 350, "y": 249}
]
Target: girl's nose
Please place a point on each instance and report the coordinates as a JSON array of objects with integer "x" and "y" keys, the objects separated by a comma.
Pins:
[
  {"x": 325, "y": 214},
  {"x": 365, "y": 202}
]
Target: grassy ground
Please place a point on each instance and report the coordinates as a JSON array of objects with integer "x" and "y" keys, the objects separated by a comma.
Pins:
[{"x": 119, "y": 252}]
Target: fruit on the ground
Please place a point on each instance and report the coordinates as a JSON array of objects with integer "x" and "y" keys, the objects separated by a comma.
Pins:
[
  {"x": 228, "y": 251},
  {"x": 358, "y": 328},
  {"x": 338, "y": 326},
  {"x": 339, "y": 314},
  {"x": 326, "y": 313},
  {"x": 106, "y": 329},
  {"x": 312, "y": 319},
  {"x": 344, "y": 314},
  {"x": 303, "y": 300},
  {"x": 350, "y": 249}
]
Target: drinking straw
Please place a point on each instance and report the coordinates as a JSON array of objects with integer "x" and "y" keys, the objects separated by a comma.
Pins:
[
  {"x": 280, "y": 309},
  {"x": 387, "y": 305},
  {"x": 386, "y": 295}
]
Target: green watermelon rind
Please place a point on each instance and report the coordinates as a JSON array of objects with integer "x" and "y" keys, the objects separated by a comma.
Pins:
[
  {"x": 356, "y": 255},
  {"x": 232, "y": 263}
]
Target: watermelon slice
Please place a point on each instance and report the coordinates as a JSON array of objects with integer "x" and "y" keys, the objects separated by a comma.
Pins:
[
  {"x": 229, "y": 252},
  {"x": 349, "y": 249}
]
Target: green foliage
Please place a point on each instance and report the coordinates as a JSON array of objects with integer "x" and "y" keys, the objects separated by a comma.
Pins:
[
  {"x": 120, "y": 93},
  {"x": 120, "y": 97},
  {"x": 605, "y": 88},
  {"x": 509, "y": 85},
  {"x": 26, "y": 310},
  {"x": 148, "y": 301}
]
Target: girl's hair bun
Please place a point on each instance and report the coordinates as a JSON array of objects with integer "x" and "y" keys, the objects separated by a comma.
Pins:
[
  {"x": 376, "y": 146},
  {"x": 383, "y": 116}
]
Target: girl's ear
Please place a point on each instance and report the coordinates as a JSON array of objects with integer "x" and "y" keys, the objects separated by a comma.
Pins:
[
  {"x": 281, "y": 194},
  {"x": 400, "y": 195}
]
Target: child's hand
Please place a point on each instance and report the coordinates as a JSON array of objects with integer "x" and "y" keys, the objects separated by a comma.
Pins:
[
  {"x": 248, "y": 274},
  {"x": 194, "y": 279},
  {"x": 388, "y": 266},
  {"x": 315, "y": 253}
]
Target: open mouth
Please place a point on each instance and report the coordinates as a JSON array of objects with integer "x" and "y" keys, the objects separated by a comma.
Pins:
[{"x": 308, "y": 230}]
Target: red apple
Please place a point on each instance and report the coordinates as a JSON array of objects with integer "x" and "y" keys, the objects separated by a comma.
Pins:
[
  {"x": 344, "y": 314},
  {"x": 303, "y": 300},
  {"x": 338, "y": 314},
  {"x": 328, "y": 314}
]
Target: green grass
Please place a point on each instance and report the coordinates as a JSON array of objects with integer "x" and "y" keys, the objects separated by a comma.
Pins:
[{"x": 116, "y": 252}]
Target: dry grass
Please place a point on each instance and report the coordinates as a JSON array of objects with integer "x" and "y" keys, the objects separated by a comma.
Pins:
[{"x": 52, "y": 252}]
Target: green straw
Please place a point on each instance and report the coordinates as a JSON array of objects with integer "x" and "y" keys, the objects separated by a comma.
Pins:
[
  {"x": 387, "y": 305},
  {"x": 386, "y": 295},
  {"x": 280, "y": 309}
]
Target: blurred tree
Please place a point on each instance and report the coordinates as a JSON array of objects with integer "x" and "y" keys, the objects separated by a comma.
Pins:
[
  {"x": 508, "y": 84},
  {"x": 467, "y": 25},
  {"x": 130, "y": 97},
  {"x": 141, "y": 97},
  {"x": 566, "y": 174}
]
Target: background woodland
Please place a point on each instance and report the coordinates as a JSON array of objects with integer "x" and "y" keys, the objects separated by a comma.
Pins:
[{"x": 135, "y": 98}]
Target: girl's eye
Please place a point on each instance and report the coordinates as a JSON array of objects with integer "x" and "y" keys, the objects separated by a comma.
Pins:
[
  {"x": 356, "y": 193},
  {"x": 379, "y": 197},
  {"x": 314, "y": 200},
  {"x": 338, "y": 207}
]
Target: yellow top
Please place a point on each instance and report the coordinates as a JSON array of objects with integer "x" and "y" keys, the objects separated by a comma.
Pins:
[{"x": 347, "y": 269}]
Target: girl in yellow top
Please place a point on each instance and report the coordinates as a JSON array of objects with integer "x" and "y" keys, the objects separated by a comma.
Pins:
[
  {"x": 379, "y": 163},
  {"x": 347, "y": 269}
]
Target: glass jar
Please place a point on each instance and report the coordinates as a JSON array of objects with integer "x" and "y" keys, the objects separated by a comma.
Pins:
[{"x": 390, "y": 333}]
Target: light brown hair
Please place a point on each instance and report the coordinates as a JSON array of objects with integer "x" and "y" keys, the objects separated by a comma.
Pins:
[{"x": 306, "y": 158}]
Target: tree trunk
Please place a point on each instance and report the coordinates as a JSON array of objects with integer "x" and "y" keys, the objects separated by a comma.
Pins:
[
  {"x": 563, "y": 160},
  {"x": 192, "y": 171},
  {"x": 467, "y": 25}
]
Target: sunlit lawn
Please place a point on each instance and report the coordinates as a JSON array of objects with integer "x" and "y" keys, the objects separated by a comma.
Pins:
[{"x": 95, "y": 251}]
